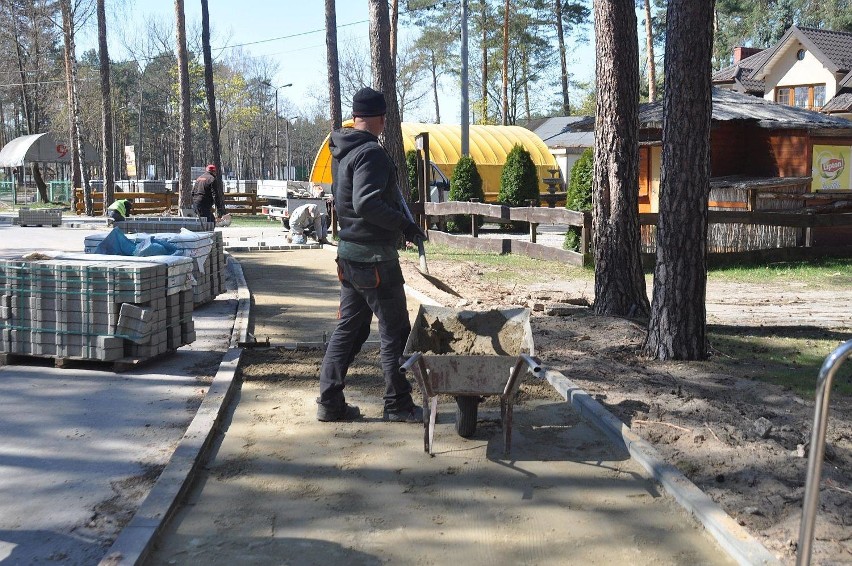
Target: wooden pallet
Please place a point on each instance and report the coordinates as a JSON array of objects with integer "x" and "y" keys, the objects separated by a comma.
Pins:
[{"x": 77, "y": 362}]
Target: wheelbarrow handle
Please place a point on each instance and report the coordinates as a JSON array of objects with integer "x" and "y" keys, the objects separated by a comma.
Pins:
[
  {"x": 533, "y": 364},
  {"x": 410, "y": 362},
  {"x": 523, "y": 360}
]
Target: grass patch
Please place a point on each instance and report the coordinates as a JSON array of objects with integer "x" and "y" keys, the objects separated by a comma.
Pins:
[
  {"x": 252, "y": 221},
  {"x": 508, "y": 268},
  {"x": 824, "y": 272},
  {"x": 787, "y": 356}
]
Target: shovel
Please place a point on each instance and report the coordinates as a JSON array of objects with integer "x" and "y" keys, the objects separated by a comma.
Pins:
[{"x": 421, "y": 252}]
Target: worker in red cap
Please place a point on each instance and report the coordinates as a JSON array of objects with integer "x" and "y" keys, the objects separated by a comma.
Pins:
[{"x": 206, "y": 191}]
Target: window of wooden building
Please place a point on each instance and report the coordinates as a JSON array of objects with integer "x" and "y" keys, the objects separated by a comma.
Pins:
[{"x": 811, "y": 97}]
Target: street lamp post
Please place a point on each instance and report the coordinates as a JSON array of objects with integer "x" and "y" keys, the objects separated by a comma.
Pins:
[
  {"x": 277, "y": 136},
  {"x": 287, "y": 140},
  {"x": 277, "y": 161}
]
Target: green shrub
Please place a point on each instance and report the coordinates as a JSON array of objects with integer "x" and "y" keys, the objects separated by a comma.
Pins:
[
  {"x": 579, "y": 194},
  {"x": 519, "y": 179},
  {"x": 465, "y": 184},
  {"x": 411, "y": 166},
  {"x": 518, "y": 182}
]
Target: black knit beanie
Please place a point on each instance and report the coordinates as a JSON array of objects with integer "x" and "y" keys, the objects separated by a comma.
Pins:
[{"x": 368, "y": 102}]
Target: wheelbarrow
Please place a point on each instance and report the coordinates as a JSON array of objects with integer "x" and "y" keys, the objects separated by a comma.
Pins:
[{"x": 469, "y": 355}]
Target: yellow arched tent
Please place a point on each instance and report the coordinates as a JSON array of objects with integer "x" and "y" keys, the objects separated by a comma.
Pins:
[{"x": 489, "y": 146}]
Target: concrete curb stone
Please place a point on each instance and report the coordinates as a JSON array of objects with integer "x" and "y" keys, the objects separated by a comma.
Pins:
[
  {"x": 733, "y": 538},
  {"x": 135, "y": 540}
]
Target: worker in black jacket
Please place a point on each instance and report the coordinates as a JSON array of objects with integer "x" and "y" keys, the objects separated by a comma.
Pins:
[
  {"x": 369, "y": 210},
  {"x": 206, "y": 191}
]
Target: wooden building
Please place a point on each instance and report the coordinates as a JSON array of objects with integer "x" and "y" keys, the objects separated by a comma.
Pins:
[
  {"x": 763, "y": 156},
  {"x": 808, "y": 67},
  {"x": 752, "y": 138}
]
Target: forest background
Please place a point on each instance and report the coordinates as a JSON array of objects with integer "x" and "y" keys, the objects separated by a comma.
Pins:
[{"x": 524, "y": 51}]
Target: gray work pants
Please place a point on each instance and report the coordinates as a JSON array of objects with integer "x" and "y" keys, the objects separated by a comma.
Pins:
[{"x": 367, "y": 289}]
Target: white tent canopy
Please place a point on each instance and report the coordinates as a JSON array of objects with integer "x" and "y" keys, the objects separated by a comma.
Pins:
[{"x": 42, "y": 148}]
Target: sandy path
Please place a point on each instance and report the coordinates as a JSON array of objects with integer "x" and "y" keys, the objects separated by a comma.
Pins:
[{"x": 285, "y": 489}]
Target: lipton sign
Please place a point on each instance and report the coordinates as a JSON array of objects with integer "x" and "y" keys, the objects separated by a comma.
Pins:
[{"x": 830, "y": 169}]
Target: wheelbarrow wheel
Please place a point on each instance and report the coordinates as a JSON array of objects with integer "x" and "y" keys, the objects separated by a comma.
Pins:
[{"x": 466, "y": 409}]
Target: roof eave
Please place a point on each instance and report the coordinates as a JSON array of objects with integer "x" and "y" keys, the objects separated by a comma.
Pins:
[{"x": 760, "y": 72}]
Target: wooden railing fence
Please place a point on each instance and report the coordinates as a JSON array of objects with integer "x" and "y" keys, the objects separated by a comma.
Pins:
[
  {"x": 535, "y": 216},
  {"x": 160, "y": 203}
]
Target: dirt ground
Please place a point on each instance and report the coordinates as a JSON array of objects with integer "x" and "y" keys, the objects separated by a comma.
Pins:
[{"x": 707, "y": 418}]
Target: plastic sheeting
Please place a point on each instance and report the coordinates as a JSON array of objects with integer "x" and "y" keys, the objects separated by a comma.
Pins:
[{"x": 116, "y": 243}]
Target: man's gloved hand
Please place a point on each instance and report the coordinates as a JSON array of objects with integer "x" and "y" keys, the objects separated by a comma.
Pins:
[{"x": 413, "y": 233}]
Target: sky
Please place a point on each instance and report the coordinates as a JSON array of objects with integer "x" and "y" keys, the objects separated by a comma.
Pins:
[{"x": 291, "y": 32}]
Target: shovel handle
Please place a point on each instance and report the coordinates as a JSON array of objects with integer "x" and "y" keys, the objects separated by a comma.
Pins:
[{"x": 422, "y": 253}]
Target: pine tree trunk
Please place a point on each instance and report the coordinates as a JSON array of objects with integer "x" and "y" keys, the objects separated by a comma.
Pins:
[
  {"x": 76, "y": 180},
  {"x": 332, "y": 65},
  {"x": 185, "y": 133},
  {"x": 619, "y": 281},
  {"x": 74, "y": 109},
  {"x": 106, "y": 112},
  {"x": 40, "y": 184},
  {"x": 505, "y": 113},
  {"x": 649, "y": 46},
  {"x": 28, "y": 110},
  {"x": 484, "y": 118},
  {"x": 433, "y": 69},
  {"x": 394, "y": 32},
  {"x": 563, "y": 63},
  {"x": 4, "y": 139},
  {"x": 22, "y": 75},
  {"x": 213, "y": 122},
  {"x": 385, "y": 79},
  {"x": 677, "y": 327}
]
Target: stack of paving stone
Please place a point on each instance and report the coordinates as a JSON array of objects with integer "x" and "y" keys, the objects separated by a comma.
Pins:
[
  {"x": 95, "y": 307},
  {"x": 39, "y": 216},
  {"x": 206, "y": 248},
  {"x": 161, "y": 224}
]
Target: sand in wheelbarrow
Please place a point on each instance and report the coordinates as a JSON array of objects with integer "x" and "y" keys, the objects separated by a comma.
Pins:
[{"x": 470, "y": 333}]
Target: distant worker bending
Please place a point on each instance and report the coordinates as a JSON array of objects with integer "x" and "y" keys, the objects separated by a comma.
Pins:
[
  {"x": 206, "y": 191},
  {"x": 303, "y": 218},
  {"x": 119, "y": 209}
]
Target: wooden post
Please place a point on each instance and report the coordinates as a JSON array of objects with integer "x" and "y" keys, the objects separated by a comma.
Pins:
[
  {"x": 586, "y": 234},
  {"x": 424, "y": 175},
  {"x": 533, "y": 230},
  {"x": 752, "y": 199}
]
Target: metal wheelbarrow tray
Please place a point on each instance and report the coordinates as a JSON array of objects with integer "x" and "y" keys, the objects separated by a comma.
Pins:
[{"x": 470, "y": 355}]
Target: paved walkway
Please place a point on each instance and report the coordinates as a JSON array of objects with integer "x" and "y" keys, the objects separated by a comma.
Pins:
[
  {"x": 81, "y": 446},
  {"x": 80, "y": 450}
]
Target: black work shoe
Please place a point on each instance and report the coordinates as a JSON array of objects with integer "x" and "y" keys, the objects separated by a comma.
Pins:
[
  {"x": 334, "y": 414},
  {"x": 412, "y": 415}
]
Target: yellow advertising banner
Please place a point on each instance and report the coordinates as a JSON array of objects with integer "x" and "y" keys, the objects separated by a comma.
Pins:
[
  {"x": 831, "y": 168},
  {"x": 130, "y": 160}
]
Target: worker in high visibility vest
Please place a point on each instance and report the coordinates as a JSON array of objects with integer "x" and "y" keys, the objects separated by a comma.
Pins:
[{"x": 120, "y": 209}]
